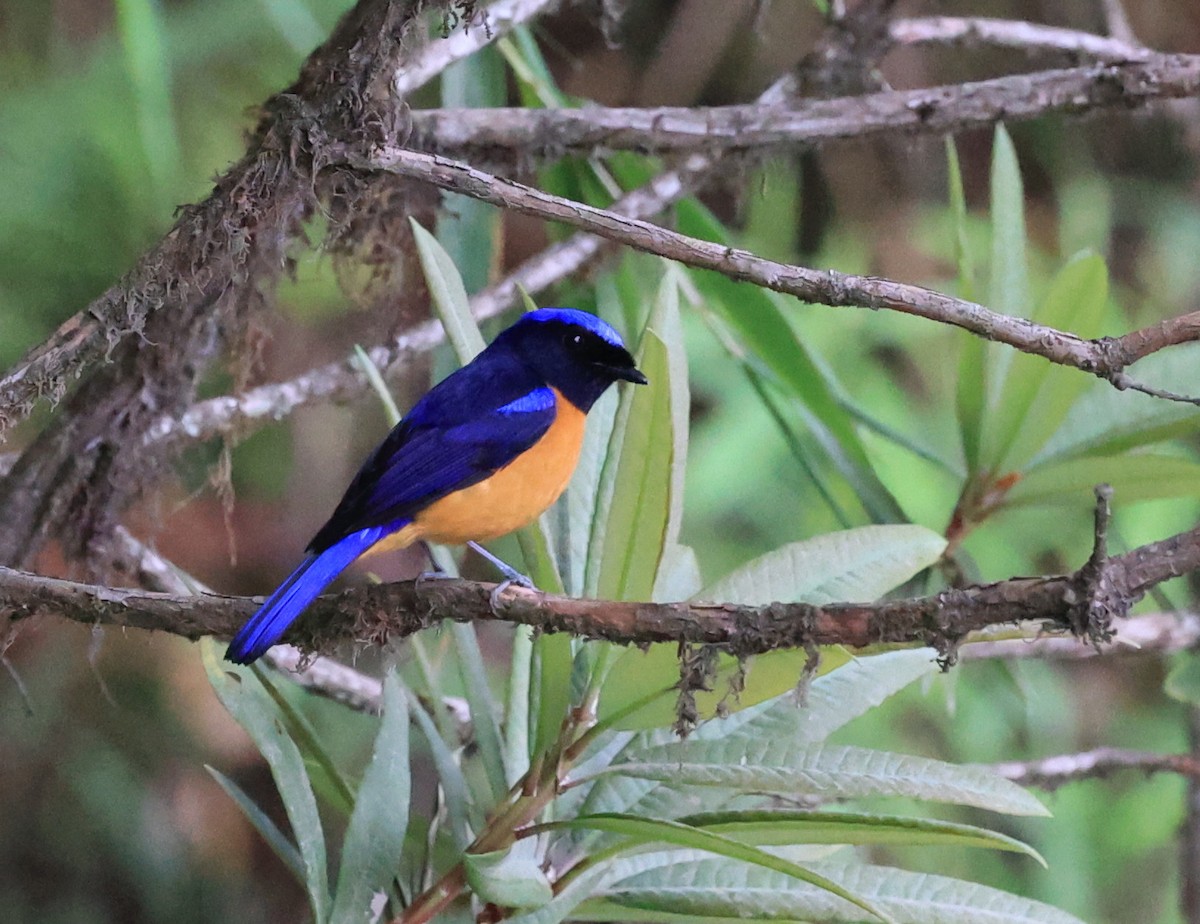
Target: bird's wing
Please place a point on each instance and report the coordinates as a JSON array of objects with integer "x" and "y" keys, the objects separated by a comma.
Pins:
[{"x": 469, "y": 426}]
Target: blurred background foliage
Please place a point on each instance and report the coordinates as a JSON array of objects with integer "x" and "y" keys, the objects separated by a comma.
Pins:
[{"x": 113, "y": 113}]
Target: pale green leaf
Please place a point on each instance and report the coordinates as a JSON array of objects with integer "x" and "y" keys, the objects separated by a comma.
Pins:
[
  {"x": 780, "y": 827},
  {"x": 276, "y": 839},
  {"x": 246, "y": 701},
  {"x": 649, "y": 830},
  {"x": 1135, "y": 477},
  {"x": 1037, "y": 394},
  {"x": 719, "y": 889},
  {"x": 854, "y": 564},
  {"x": 1105, "y": 421},
  {"x": 375, "y": 836},
  {"x": 449, "y": 295},
  {"x": 510, "y": 878},
  {"x": 828, "y": 771}
]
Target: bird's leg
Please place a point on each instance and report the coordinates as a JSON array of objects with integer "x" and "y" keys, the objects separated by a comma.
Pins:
[
  {"x": 511, "y": 576},
  {"x": 434, "y": 573}
]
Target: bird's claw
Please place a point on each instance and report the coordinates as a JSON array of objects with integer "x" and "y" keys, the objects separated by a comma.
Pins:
[{"x": 518, "y": 579}]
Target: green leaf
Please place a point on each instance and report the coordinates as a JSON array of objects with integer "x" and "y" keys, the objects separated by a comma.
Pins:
[
  {"x": 276, "y": 839},
  {"x": 554, "y": 659},
  {"x": 833, "y": 700},
  {"x": 649, "y": 830},
  {"x": 455, "y": 792},
  {"x": 858, "y": 564},
  {"x": 484, "y": 707},
  {"x": 243, "y": 696},
  {"x": 678, "y": 575},
  {"x": 140, "y": 27},
  {"x": 469, "y": 230},
  {"x": 1183, "y": 681},
  {"x": 1105, "y": 421},
  {"x": 327, "y": 780},
  {"x": 375, "y": 836},
  {"x": 449, "y": 295},
  {"x": 511, "y": 878},
  {"x": 1037, "y": 394},
  {"x": 1141, "y": 476},
  {"x": 855, "y": 564},
  {"x": 770, "y": 827},
  {"x": 758, "y": 320},
  {"x": 828, "y": 771},
  {"x": 1008, "y": 292},
  {"x": 971, "y": 389},
  {"x": 718, "y": 889},
  {"x": 378, "y": 385},
  {"x": 639, "y": 500}
]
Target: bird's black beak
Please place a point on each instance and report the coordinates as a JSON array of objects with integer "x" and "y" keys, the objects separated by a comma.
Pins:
[{"x": 632, "y": 374}]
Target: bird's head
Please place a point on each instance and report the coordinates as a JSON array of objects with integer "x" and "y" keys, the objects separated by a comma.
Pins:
[{"x": 573, "y": 351}]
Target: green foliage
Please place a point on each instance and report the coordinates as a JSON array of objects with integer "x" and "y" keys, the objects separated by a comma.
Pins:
[{"x": 553, "y": 811}]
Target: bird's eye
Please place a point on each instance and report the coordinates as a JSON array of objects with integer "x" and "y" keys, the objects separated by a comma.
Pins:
[{"x": 573, "y": 340}]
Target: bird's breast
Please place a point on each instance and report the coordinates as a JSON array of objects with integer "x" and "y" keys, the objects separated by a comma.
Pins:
[{"x": 514, "y": 495}]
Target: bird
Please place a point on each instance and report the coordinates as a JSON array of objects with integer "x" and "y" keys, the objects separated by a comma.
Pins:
[{"x": 483, "y": 453}]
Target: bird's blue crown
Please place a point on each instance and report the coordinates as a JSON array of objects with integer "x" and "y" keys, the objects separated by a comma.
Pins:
[{"x": 590, "y": 322}]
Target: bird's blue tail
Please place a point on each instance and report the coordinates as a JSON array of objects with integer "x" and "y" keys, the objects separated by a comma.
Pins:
[{"x": 298, "y": 591}]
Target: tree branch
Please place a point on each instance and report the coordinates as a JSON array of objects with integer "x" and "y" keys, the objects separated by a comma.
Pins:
[
  {"x": 1052, "y": 772},
  {"x": 1085, "y": 602},
  {"x": 157, "y": 281},
  {"x": 972, "y": 31},
  {"x": 1105, "y": 358},
  {"x": 471, "y": 134}
]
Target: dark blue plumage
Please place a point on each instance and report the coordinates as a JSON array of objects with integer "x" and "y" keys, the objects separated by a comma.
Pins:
[{"x": 468, "y": 427}]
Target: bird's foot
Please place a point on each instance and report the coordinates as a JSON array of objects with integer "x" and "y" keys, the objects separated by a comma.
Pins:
[
  {"x": 430, "y": 576},
  {"x": 511, "y": 576}
]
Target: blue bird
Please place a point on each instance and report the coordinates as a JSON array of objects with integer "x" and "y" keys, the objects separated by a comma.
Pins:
[{"x": 483, "y": 453}]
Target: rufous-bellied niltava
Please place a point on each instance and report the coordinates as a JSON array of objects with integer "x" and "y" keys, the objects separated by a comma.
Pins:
[{"x": 484, "y": 453}]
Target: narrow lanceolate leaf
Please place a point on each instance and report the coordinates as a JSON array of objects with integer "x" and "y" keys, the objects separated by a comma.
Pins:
[
  {"x": 832, "y": 772},
  {"x": 455, "y": 793},
  {"x": 1105, "y": 421},
  {"x": 971, "y": 390},
  {"x": 449, "y": 295},
  {"x": 1008, "y": 292},
  {"x": 854, "y": 564},
  {"x": 1139, "y": 476},
  {"x": 718, "y": 889},
  {"x": 375, "y": 836},
  {"x": 276, "y": 839},
  {"x": 243, "y": 696},
  {"x": 1037, "y": 395},
  {"x": 639, "y": 830},
  {"x": 759, "y": 321},
  {"x": 637, "y": 507},
  {"x": 767, "y": 827}
]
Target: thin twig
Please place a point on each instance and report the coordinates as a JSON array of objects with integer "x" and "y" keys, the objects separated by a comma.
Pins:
[
  {"x": 1012, "y": 33},
  {"x": 468, "y": 133},
  {"x": 375, "y": 613},
  {"x": 1105, "y": 358},
  {"x": 1052, "y": 772}
]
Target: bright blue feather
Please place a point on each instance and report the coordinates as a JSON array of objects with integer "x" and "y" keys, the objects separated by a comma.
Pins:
[{"x": 315, "y": 573}]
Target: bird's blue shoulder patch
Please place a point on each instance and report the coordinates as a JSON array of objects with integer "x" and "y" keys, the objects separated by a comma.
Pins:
[
  {"x": 584, "y": 319},
  {"x": 536, "y": 401}
]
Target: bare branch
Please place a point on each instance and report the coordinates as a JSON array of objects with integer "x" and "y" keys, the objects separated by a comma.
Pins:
[
  {"x": 1052, "y": 772},
  {"x": 971, "y": 31},
  {"x": 1157, "y": 633},
  {"x": 1086, "y": 601},
  {"x": 1104, "y": 358},
  {"x": 472, "y": 133}
]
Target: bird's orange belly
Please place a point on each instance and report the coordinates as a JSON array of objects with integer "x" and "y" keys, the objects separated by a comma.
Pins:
[{"x": 513, "y": 497}]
